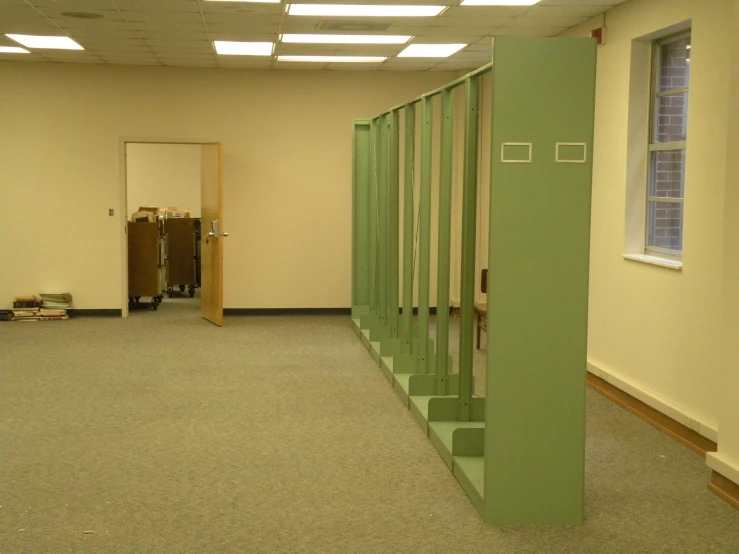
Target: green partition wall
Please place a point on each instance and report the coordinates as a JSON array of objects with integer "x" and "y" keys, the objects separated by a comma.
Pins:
[{"x": 518, "y": 452}]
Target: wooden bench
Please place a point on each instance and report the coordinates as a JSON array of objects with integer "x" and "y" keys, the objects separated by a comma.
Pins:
[{"x": 481, "y": 308}]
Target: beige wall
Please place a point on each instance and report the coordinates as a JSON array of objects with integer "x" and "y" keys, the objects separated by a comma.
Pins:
[
  {"x": 287, "y": 170},
  {"x": 726, "y": 460},
  {"x": 163, "y": 175},
  {"x": 655, "y": 331}
]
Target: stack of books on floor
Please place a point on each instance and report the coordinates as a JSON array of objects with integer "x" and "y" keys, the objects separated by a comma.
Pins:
[
  {"x": 55, "y": 306},
  {"x": 27, "y": 308},
  {"x": 48, "y": 307}
]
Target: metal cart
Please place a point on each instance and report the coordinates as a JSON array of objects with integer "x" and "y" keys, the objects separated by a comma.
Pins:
[{"x": 181, "y": 255}]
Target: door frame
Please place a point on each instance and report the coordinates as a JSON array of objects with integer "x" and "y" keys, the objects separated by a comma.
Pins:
[{"x": 122, "y": 219}]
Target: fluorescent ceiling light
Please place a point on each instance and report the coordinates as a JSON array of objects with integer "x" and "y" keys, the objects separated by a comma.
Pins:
[
  {"x": 430, "y": 50},
  {"x": 346, "y": 39},
  {"x": 499, "y": 2},
  {"x": 363, "y": 10},
  {"x": 332, "y": 59},
  {"x": 229, "y": 48},
  {"x": 13, "y": 50},
  {"x": 57, "y": 43}
]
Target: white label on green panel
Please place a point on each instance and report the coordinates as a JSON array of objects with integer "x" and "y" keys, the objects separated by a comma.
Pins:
[
  {"x": 571, "y": 153},
  {"x": 515, "y": 152}
]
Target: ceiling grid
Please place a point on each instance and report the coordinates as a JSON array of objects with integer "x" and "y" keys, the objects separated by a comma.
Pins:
[{"x": 182, "y": 32}]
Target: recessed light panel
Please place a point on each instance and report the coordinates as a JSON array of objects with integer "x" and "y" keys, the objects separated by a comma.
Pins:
[
  {"x": 332, "y": 59},
  {"x": 230, "y": 48},
  {"x": 56, "y": 43},
  {"x": 13, "y": 50},
  {"x": 345, "y": 39},
  {"x": 430, "y": 50},
  {"x": 499, "y": 2},
  {"x": 363, "y": 10}
]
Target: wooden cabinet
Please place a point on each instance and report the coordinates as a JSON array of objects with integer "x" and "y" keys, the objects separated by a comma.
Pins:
[
  {"x": 146, "y": 256},
  {"x": 181, "y": 253}
]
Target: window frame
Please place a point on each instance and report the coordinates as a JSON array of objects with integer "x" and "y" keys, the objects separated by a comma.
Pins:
[{"x": 653, "y": 146}]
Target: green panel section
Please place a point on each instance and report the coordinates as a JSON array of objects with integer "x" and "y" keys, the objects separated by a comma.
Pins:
[
  {"x": 373, "y": 241},
  {"x": 393, "y": 149},
  {"x": 445, "y": 237},
  {"x": 410, "y": 133},
  {"x": 382, "y": 212},
  {"x": 424, "y": 233},
  {"x": 543, "y": 93},
  {"x": 360, "y": 206},
  {"x": 469, "y": 234}
]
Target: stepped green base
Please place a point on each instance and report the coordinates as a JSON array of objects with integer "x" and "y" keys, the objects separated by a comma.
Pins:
[
  {"x": 470, "y": 473},
  {"x": 443, "y": 408},
  {"x": 457, "y": 438},
  {"x": 398, "y": 363},
  {"x": 374, "y": 349},
  {"x": 356, "y": 326},
  {"x": 408, "y": 385},
  {"x": 386, "y": 365},
  {"x": 386, "y": 347},
  {"x": 460, "y": 444}
]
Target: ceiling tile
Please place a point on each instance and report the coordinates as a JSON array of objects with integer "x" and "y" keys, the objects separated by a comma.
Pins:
[
  {"x": 483, "y": 13},
  {"x": 242, "y": 10},
  {"x": 582, "y": 10},
  {"x": 233, "y": 20},
  {"x": 531, "y": 21},
  {"x": 603, "y": 4},
  {"x": 35, "y": 25},
  {"x": 226, "y": 32},
  {"x": 158, "y": 5},
  {"x": 528, "y": 32}
]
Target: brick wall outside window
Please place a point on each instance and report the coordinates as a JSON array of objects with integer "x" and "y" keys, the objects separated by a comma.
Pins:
[{"x": 667, "y": 168}]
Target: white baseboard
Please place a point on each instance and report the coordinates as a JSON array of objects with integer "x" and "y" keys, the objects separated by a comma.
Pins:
[
  {"x": 721, "y": 465},
  {"x": 652, "y": 400}
]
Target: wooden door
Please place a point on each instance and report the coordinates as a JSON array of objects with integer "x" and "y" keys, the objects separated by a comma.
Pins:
[{"x": 211, "y": 234}]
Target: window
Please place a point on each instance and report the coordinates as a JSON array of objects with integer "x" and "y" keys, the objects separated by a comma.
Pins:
[{"x": 667, "y": 138}]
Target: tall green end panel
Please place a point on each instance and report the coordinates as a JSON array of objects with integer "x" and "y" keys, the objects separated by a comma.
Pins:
[
  {"x": 361, "y": 272},
  {"x": 542, "y": 137}
]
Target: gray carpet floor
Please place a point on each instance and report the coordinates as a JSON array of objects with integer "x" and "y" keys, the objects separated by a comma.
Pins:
[{"x": 162, "y": 433}]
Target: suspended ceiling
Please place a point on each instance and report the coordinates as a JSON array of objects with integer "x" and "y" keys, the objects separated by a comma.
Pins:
[{"x": 180, "y": 32}]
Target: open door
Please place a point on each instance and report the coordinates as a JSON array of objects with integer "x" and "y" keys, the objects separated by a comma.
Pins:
[{"x": 212, "y": 235}]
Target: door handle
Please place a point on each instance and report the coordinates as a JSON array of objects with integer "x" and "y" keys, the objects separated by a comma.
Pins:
[{"x": 215, "y": 232}]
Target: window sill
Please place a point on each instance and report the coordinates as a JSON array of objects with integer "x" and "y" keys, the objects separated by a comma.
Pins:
[{"x": 655, "y": 260}]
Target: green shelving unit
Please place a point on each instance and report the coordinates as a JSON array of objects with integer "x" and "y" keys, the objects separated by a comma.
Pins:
[{"x": 519, "y": 452}]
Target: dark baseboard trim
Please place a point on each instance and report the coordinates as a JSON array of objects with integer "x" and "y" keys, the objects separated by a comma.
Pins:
[
  {"x": 432, "y": 310},
  {"x": 693, "y": 440},
  {"x": 724, "y": 488},
  {"x": 113, "y": 312},
  {"x": 287, "y": 311}
]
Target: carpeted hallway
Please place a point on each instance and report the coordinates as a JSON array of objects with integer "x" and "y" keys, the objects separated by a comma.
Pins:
[{"x": 165, "y": 434}]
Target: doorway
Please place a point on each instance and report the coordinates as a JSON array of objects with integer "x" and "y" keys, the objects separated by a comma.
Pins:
[{"x": 172, "y": 252}]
